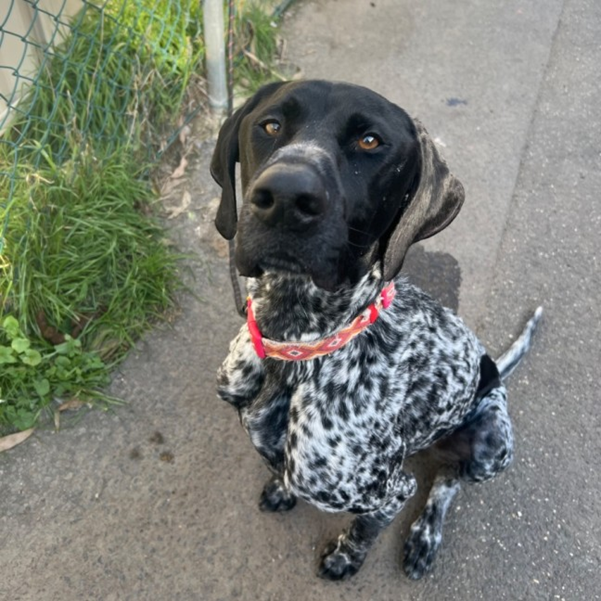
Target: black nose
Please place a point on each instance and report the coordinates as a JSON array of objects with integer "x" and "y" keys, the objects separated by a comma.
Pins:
[{"x": 290, "y": 195}]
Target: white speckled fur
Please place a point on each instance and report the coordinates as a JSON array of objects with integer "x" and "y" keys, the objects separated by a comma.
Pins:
[{"x": 335, "y": 430}]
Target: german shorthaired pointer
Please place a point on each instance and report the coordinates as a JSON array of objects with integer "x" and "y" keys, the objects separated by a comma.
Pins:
[{"x": 344, "y": 369}]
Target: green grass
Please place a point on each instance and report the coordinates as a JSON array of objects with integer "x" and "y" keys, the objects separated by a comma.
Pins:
[
  {"x": 81, "y": 261},
  {"x": 117, "y": 80},
  {"x": 255, "y": 46},
  {"x": 81, "y": 246},
  {"x": 84, "y": 265}
]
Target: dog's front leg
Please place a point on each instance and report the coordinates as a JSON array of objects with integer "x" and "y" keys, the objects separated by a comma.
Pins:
[
  {"x": 343, "y": 557},
  {"x": 263, "y": 410},
  {"x": 241, "y": 376},
  {"x": 266, "y": 421}
]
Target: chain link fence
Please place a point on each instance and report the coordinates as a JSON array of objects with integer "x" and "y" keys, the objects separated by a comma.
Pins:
[{"x": 90, "y": 75}]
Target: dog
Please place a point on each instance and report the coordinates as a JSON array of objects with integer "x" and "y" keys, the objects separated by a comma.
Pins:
[{"x": 344, "y": 369}]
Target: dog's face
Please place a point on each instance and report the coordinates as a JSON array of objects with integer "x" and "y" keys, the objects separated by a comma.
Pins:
[{"x": 334, "y": 178}]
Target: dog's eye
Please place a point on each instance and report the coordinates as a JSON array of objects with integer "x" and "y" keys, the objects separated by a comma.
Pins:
[
  {"x": 368, "y": 142},
  {"x": 272, "y": 128}
]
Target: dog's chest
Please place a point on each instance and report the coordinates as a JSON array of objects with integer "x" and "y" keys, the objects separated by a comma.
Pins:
[
  {"x": 340, "y": 426},
  {"x": 343, "y": 436}
]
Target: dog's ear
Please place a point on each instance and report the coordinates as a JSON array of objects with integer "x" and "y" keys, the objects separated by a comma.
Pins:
[
  {"x": 432, "y": 205},
  {"x": 225, "y": 157}
]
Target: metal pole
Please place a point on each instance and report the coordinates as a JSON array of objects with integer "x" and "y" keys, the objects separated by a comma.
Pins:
[{"x": 215, "y": 54}]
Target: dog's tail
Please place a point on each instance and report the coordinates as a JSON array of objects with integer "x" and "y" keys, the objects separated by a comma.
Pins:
[{"x": 511, "y": 358}]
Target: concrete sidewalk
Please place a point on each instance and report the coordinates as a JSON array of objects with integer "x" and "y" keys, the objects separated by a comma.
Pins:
[{"x": 157, "y": 500}]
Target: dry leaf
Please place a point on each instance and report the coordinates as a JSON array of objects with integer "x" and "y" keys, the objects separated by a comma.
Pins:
[
  {"x": 257, "y": 61},
  {"x": 220, "y": 246},
  {"x": 49, "y": 333},
  {"x": 169, "y": 187},
  {"x": 72, "y": 404},
  {"x": 8, "y": 442},
  {"x": 176, "y": 211},
  {"x": 181, "y": 169},
  {"x": 183, "y": 135}
]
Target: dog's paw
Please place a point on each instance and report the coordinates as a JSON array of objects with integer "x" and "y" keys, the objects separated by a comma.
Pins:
[
  {"x": 275, "y": 497},
  {"x": 421, "y": 548},
  {"x": 338, "y": 563}
]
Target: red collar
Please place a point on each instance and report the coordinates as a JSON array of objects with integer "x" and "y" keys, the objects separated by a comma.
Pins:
[{"x": 303, "y": 351}]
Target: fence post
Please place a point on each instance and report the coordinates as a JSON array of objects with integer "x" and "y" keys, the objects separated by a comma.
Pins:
[{"x": 215, "y": 54}]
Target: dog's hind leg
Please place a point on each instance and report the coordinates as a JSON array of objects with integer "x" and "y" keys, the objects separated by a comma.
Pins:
[
  {"x": 425, "y": 536},
  {"x": 476, "y": 452}
]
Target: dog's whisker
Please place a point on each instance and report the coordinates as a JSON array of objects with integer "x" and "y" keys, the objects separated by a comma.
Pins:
[{"x": 363, "y": 232}]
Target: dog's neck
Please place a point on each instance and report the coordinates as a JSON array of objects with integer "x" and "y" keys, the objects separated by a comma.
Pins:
[{"x": 291, "y": 307}]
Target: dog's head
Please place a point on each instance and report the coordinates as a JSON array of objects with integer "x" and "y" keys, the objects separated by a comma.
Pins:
[{"x": 334, "y": 178}]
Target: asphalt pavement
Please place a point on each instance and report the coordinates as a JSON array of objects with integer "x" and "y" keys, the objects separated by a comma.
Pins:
[{"x": 157, "y": 500}]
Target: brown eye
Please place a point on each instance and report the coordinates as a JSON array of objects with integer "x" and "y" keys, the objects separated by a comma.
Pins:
[
  {"x": 272, "y": 128},
  {"x": 368, "y": 142}
]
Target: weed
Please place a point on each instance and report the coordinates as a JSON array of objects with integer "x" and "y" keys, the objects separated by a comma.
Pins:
[{"x": 31, "y": 377}]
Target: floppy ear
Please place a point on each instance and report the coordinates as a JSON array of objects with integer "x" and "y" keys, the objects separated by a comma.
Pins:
[
  {"x": 223, "y": 170},
  {"x": 435, "y": 203},
  {"x": 225, "y": 157}
]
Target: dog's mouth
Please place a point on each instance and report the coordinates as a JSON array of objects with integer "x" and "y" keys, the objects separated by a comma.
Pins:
[
  {"x": 251, "y": 265},
  {"x": 317, "y": 254},
  {"x": 325, "y": 278},
  {"x": 326, "y": 281},
  {"x": 282, "y": 263}
]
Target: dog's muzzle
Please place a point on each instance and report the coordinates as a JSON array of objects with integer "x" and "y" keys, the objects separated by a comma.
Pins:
[
  {"x": 293, "y": 217},
  {"x": 292, "y": 196}
]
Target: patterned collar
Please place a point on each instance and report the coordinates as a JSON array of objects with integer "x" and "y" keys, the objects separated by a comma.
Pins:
[{"x": 303, "y": 351}]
